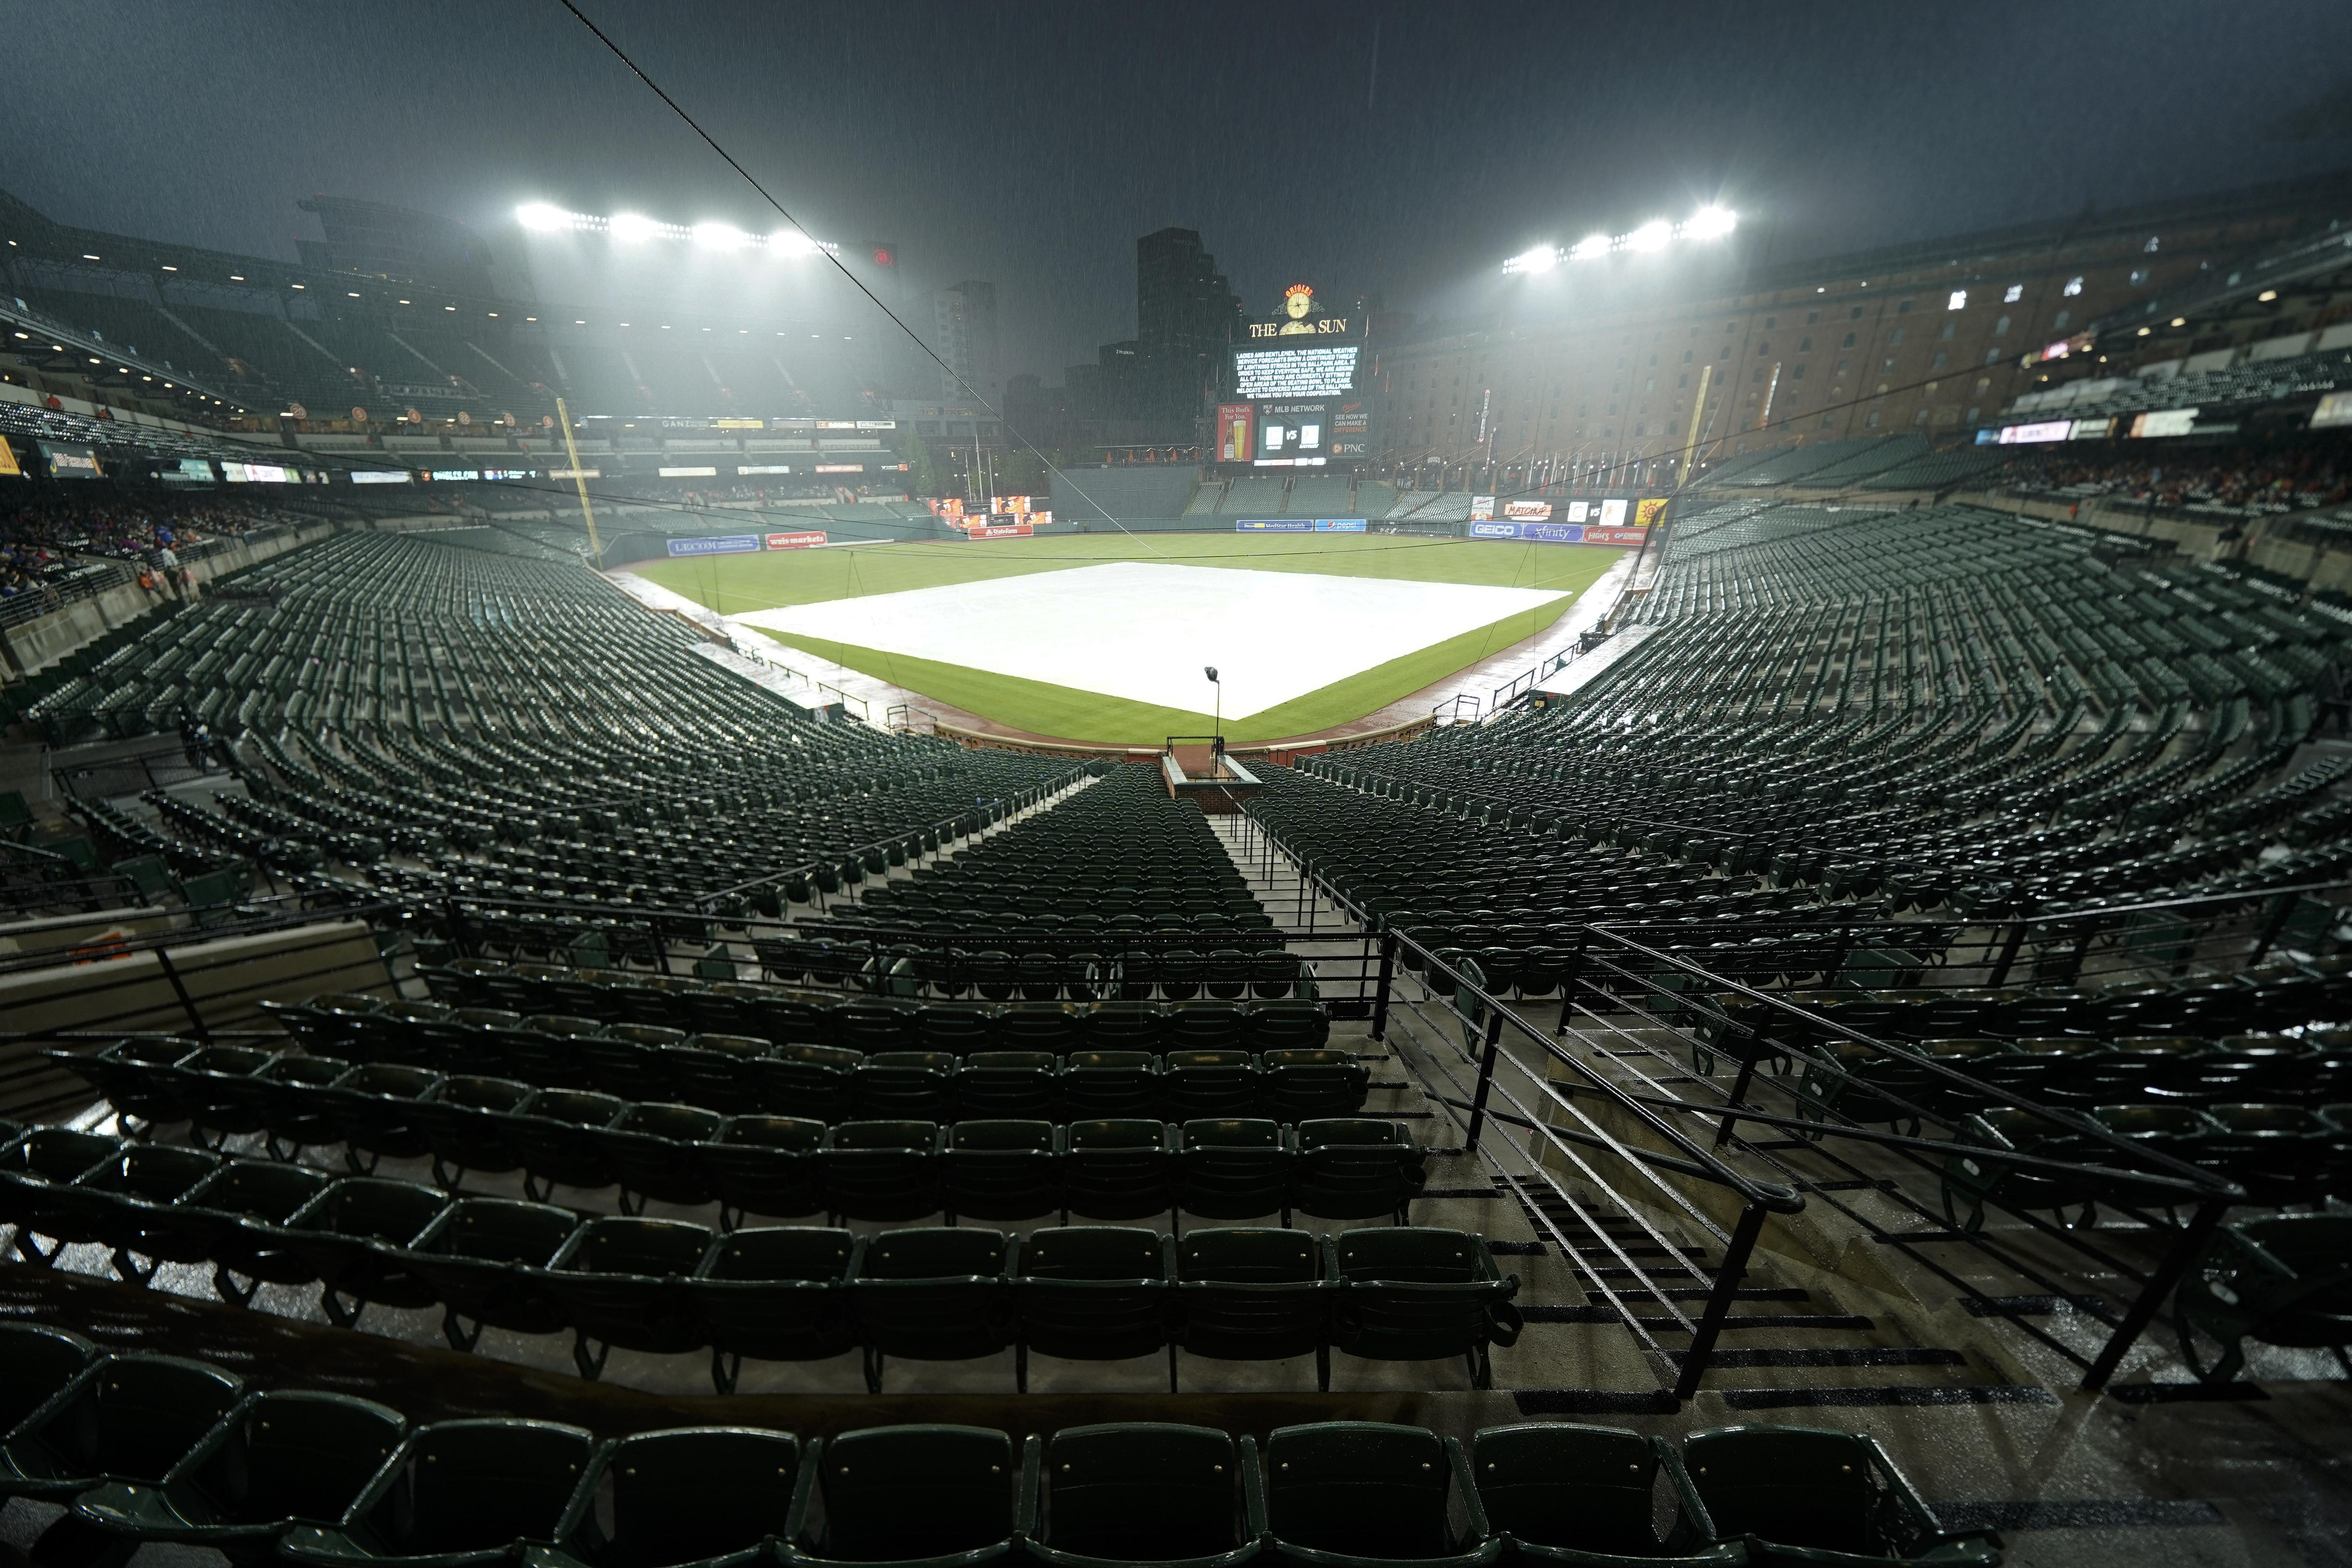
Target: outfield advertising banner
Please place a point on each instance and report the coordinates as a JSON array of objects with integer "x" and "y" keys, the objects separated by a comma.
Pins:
[
  {"x": 1338, "y": 525},
  {"x": 1002, "y": 531},
  {"x": 715, "y": 544},
  {"x": 1647, "y": 511},
  {"x": 1273, "y": 525},
  {"x": 795, "y": 542},
  {"x": 1558, "y": 533},
  {"x": 1236, "y": 432}
]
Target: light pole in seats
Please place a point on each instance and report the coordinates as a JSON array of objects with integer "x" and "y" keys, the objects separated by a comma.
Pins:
[{"x": 1217, "y": 727}]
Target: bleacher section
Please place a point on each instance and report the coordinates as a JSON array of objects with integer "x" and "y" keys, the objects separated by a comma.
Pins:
[
  {"x": 1431, "y": 507},
  {"x": 1321, "y": 496},
  {"x": 1134, "y": 495},
  {"x": 1790, "y": 464},
  {"x": 1934, "y": 471},
  {"x": 1254, "y": 496},
  {"x": 1878, "y": 458}
]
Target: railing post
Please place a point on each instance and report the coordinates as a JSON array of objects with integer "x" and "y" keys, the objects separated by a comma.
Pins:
[
  {"x": 2178, "y": 1262},
  {"x": 2271, "y": 927},
  {"x": 1739, "y": 1034},
  {"x": 180, "y": 989},
  {"x": 1718, "y": 1301},
  {"x": 2074, "y": 959},
  {"x": 1569, "y": 967},
  {"x": 1485, "y": 1079},
  {"x": 1380, "y": 996},
  {"x": 2008, "y": 955}
]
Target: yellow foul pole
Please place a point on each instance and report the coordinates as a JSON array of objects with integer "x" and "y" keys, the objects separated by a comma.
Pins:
[{"x": 587, "y": 513}]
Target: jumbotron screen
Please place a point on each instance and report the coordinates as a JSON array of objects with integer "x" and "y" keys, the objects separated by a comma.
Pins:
[{"x": 1294, "y": 372}]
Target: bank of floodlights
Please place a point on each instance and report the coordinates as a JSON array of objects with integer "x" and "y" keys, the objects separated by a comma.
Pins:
[
  {"x": 635, "y": 228},
  {"x": 1706, "y": 223}
]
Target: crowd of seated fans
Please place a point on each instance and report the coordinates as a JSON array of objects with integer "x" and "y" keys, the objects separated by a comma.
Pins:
[
  {"x": 41, "y": 531},
  {"x": 2274, "y": 479}
]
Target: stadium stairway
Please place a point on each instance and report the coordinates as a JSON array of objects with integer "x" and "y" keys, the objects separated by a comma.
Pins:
[{"x": 1786, "y": 1346}]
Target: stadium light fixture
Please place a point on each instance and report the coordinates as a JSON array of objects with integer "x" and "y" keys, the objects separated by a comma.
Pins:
[
  {"x": 631, "y": 228},
  {"x": 1710, "y": 223},
  {"x": 1706, "y": 223},
  {"x": 1542, "y": 259}
]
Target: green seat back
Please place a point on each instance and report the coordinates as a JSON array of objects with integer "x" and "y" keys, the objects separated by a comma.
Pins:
[
  {"x": 475, "y": 1485},
  {"x": 298, "y": 1455},
  {"x": 697, "y": 1492},
  {"x": 1584, "y": 1489},
  {"x": 894, "y": 1494},
  {"x": 1140, "y": 1492},
  {"x": 1793, "y": 1486},
  {"x": 1360, "y": 1488}
]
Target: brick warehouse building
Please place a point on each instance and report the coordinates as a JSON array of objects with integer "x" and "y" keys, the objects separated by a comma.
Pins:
[{"x": 1931, "y": 337}]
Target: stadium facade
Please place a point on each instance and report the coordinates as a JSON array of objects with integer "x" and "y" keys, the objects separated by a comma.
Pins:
[{"x": 1933, "y": 336}]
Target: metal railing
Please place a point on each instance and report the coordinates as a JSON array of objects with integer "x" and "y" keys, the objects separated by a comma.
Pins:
[{"x": 1643, "y": 1020}]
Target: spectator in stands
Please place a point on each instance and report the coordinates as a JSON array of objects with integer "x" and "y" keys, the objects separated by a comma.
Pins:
[
  {"x": 2273, "y": 479},
  {"x": 118, "y": 522}
]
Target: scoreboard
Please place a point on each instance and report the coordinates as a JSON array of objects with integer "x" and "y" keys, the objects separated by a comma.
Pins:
[{"x": 1300, "y": 401}]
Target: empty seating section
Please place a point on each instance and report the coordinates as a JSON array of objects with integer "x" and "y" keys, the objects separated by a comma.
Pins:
[
  {"x": 1319, "y": 496},
  {"x": 1855, "y": 741},
  {"x": 439, "y": 721},
  {"x": 953, "y": 1291},
  {"x": 1119, "y": 855},
  {"x": 144, "y": 1448},
  {"x": 1254, "y": 496},
  {"x": 1934, "y": 471},
  {"x": 1883, "y": 714},
  {"x": 1099, "y": 499},
  {"x": 1874, "y": 458},
  {"x": 1799, "y": 465}
]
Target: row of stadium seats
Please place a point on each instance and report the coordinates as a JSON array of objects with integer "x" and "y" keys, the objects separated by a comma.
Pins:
[
  {"x": 492, "y": 994},
  {"x": 785, "y": 1166},
  {"x": 1121, "y": 847},
  {"x": 243, "y": 1088},
  {"x": 780, "y": 1293},
  {"x": 151, "y": 1448}
]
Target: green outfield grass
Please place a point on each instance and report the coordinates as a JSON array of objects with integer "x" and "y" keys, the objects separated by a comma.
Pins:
[{"x": 736, "y": 584}]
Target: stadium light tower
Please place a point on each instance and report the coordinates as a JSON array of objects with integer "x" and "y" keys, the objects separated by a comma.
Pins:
[
  {"x": 1706, "y": 223},
  {"x": 631, "y": 228}
]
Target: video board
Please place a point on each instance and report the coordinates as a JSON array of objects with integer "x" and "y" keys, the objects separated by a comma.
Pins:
[
  {"x": 1327, "y": 372},
  {"x": 1304, "y": 434}
]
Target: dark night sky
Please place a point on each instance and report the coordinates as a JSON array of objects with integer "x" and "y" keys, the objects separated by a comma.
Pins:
[{"x": 1030, "y": 143}]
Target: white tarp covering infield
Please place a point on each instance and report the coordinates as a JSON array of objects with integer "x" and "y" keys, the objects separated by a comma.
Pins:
[{"x": 1142, "y": 631}]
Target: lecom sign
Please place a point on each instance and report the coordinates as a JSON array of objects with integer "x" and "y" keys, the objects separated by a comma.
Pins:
[{"x": 795, "y": 541}]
